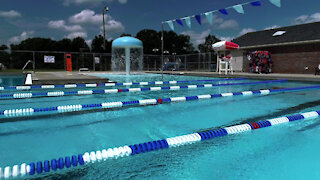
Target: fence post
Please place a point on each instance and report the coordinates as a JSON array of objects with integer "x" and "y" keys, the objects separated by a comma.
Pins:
[
  {"x": 199, "y": 61},
  {"x": 34, "y": 61},
  {"x": 64, "y": 60},
  {"x": 94, "y": 63},
  {"x": 185, "y": 62},
  {"x": 147, "y": 57},
  {"x": 209, "y": 64}
]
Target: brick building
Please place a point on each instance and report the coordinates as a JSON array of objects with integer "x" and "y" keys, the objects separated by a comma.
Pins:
[{"x": 294, "y": 49}]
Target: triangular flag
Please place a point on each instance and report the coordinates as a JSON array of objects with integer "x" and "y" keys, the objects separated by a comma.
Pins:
[
  {"x": 209, "y": 17},
  {"x": 179, "y": 22},
  {"x": 188, "y": 21},
  {"x": 223, "y": 11},
  {"x": 256, "y": 3},
  {"x": 276, "y": 2},
  {"x": 238, "y": 8},
  {"x": 170, "y": 23},
  {"x": 198, "y": 18}
]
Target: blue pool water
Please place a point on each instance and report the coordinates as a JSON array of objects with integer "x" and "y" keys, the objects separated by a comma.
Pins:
[
  {"x": 285, "y": 151},
  {"x": 11, "y": 80}
]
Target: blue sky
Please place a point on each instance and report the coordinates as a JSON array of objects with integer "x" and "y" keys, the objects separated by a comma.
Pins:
[{"x": 56, "y": 19}]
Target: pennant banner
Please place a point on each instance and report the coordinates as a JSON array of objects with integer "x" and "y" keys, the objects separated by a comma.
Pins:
[
  {"x": 188, "y": 21},
  {"x": 238, "y": 8},
  {"x": 209, "y": 17},
  {"x": 223, "y": 11},
  {"x": 170, "y": 23},
  {"x": 276, "y": 2},
  {"x": 256, "y": 3},
  {"x": 179, "y": 22},
  {"x": 198, "y": 18}
]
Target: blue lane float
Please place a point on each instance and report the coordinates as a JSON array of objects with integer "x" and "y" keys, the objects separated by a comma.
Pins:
[
  {"x": 145, "y": 102},
  {"x": 108, "y": 91},
  {"x": 68, "y": 86},
  {"x": 128, "y": 150}
]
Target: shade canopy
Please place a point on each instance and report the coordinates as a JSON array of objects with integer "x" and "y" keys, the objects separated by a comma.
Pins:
[
  {"x": 127, "y": 41},
  {"x": 224, "y": 45}
]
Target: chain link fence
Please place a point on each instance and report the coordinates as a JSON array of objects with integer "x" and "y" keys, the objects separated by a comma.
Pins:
[{"x": 102, "y": 61}]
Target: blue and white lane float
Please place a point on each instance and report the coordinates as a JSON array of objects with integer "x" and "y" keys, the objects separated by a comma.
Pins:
[
  {"x": 144, "y": 102},
  {"x": 43, "y": 167},
  {"x": 108, "y": 91},
  {"x": 68, "y": 86}
]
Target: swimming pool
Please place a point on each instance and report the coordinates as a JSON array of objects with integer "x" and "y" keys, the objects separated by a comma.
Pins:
[
  {"x": 11, "y": 80},
  {"x": 284, "y": 151}
]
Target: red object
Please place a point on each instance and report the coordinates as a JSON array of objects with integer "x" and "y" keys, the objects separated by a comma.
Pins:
[
  {"x": 224, "y": 45},
  {"x": 120, "y": 90},
  {"x": 69, "y": 62},
  {"x": 255, "y": 125},
  {"x": 98, "y": 84},
  {"x": 160, "y": 101}
]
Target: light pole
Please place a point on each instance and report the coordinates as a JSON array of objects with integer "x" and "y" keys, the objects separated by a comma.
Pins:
[
  {"x": 106, "y": 8},
  {"x": 174, "y": 56}
]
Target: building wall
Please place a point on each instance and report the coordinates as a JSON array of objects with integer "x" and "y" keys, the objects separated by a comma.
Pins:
[
  {"x": 292, "y": 59},
  {"x": 237, "y": 60}
]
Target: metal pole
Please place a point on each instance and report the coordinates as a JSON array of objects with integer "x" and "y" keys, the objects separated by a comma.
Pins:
[
  {"x": 162, "y": 51},
  {"x": 199, "y": 61},
  {"x": 209, "y": 64},
  {"x": 34, "y": 61},
  {"x": 185, "y": 62},
  {"x": 104, "y": 31},
  {"x": 94, "y": 63}
]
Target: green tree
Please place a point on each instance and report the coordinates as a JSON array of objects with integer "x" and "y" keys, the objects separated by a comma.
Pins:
[
  {"x": 78, "y": 43},
  {"x": 97, "y": 44},
  {"x": 63, "y": 45},
  {"x": 150, "y": 39},
  {"x": 206, "y": 46},
  {"x": 4, "y": 56},
  {"x": 125, "y": 34}
]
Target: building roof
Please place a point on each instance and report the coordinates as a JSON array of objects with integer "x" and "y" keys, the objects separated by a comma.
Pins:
[{"x": 297, "y": 34}]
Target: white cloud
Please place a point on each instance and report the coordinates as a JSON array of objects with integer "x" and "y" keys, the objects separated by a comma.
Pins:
[
  {"x": 122, "y": 1},
  {"x": 307, "y": 18},
  {"x": 197, "y": 38},
  {"x": 220, "y": 23},
  {"x": 226, "y": 38},
  {"x": 23, "y": 36},
  {"x": 89, "y": 42},
  {"x": 246, "y": 30},
  {"x": 94, "y": 2},
  {"x": 272, "y": 27},
  {"x": 229, "y": 24},
  {"x": 88, "y": 17},
  {"x": 61, "y": 25},
  {"x": 10, "y": 14},
  {"x": 77, "y": 34}
]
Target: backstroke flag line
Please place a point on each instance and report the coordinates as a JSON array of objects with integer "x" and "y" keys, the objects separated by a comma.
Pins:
[{"x": 209, "y": 15}]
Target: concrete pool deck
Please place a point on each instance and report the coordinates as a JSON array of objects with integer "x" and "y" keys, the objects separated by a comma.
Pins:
[
  {"x": 290, "y": 77},
  {"x": 64, "y": 77}
]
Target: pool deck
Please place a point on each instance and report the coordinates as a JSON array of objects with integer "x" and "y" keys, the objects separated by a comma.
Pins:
[
  {"x": 65, "y": 78},
  {"x": 290, "y": 77}
]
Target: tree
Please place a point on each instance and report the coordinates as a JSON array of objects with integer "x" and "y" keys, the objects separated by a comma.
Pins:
[
  {"x": 78, "y": 43},
  {"x": 3, "y": 47},
  {"x": 97, "y": 44},
  {"x": 150, "y": 39},
  {"x": 63, "y": 45},
  {"x": 206, "y": 46},
  {"x": 125, "y": 34}
]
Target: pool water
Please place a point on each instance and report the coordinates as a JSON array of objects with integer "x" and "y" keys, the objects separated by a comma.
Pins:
[
  {"x": 11, "y": 80},
  {"x": 285, "y": 151}
]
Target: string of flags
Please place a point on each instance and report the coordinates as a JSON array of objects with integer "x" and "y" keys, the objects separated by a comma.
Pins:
[{"x": 209, "y": 15}]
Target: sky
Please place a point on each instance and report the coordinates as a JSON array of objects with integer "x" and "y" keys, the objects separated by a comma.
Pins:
[{"x": 58, "y": 19}]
